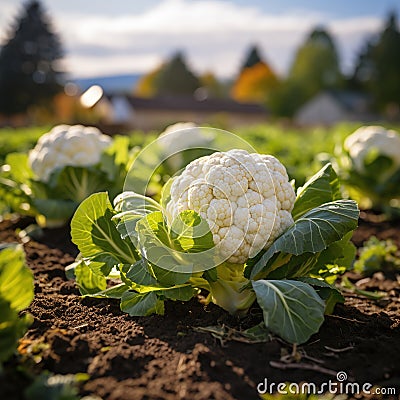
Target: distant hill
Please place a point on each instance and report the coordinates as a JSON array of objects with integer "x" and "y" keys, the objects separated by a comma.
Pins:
[{"x": 111, "y": 83}]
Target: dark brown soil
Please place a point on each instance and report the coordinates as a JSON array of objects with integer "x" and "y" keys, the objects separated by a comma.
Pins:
[{"x": 162, "y": 357}]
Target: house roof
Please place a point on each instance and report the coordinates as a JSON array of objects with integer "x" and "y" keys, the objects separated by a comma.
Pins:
[
  {"x": 350, "y": 100},
  {"x": 192, "y": 104}
]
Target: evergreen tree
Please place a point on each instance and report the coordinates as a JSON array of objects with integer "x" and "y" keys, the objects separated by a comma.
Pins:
[
  {"x": 316, "y": 64},
  {"x": 253, "y": 58},
  {"x": 29, "y": 74},
  {"x": 315, "y": 68},
  {"x": 175, "y": 78},
  {"x": 378, "y": 67}
]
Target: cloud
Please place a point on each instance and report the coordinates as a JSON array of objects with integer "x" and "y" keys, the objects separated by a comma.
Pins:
[
  {"x": 89, "y": 66},
  {"x": 214, "y": 34},
  {"x": 7, "y": 10}
]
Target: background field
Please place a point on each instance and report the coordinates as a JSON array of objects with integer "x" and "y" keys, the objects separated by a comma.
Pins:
[{"x": 301, "y": 150}]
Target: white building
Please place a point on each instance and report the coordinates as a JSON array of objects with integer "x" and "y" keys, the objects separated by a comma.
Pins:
[{"x": 331, "y": 107}]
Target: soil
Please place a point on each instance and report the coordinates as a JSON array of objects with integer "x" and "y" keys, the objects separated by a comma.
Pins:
[{"x": 163, "y": 357}]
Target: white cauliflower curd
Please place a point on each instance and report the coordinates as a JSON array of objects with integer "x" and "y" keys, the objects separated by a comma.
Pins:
[
  {"x": 67, "y": 145},
  {"x": 372, "y": 138},
  {"x": 245, "y": 198}
]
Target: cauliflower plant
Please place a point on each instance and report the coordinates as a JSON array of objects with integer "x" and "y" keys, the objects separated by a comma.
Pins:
[
  {"x": 245, "y": 198},
  {"x": 178, "y": 138},
  {"x": 182, "y": 136},
  {"x": 235, "y": 202},
  {"x": 370, "y": 165},
  {"x": 67, "y": 165},
  {"x": 66, "y": 145},
  {"x": 372, "y": 138}
]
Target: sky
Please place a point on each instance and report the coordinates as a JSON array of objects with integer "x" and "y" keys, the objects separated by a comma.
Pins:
[{"x": 106, "y": 37}]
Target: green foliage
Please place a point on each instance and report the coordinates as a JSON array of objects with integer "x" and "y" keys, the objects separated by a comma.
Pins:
[
  {"x": 90, "y": 275},
  {"x": 318, "y": 244},
  {"x": 321, "y": 188},
  {"x": 95, "y": 236},
  {"x": 55, "y": 387},
  {"x": 141, "y": 304},
  {"x": 229, "y": 290},
  {"x": 19, "y": 140},
  {"x": 312, "y": 233},
  {"x": 16, "y": 293},
  {"x": 29, "y": 74},
  {"x": 292, "y": 308},
  {"x": 15, "y": 192},
  {"x": 378, "y": 65},
  {"x": 352, "y": 288},
  {"x": 370, "y": 193},
  {"x": 377, "y": 255},
  {"x": 370, "y": 170}
]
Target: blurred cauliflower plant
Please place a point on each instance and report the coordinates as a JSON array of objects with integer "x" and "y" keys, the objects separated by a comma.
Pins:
[
  {"x": 377, "y": 255},
  {"x": 64, "y": 145},
  {"x": 67, "y": 164},
  {"x": 182, "y": 143},
  {"x": 370, "y": 167}
]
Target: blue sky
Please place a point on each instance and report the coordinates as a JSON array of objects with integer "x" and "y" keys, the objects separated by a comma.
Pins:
[{"x": 119, "y": 36}]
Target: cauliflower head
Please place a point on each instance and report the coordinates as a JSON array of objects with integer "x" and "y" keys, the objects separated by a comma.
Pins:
[
  {"x": 245, "y": 198},
  {"x": 67, "y": 145},
  {"x": 372, "y": 138}
]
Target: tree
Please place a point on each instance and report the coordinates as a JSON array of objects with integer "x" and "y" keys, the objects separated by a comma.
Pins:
[
  {"x": 253, "y": 58},
  {"x": 175, "y": 78},
  {"x": 316, "y": 64},
  {"x": 378, "y": 68},
  {"x": 255, "y": 83},
  {"x": 256, "y": 79},
  {"x": 315, "y": 68},
  {"x": 147, "y": 85},
  {"x": 214, "y": 87},
  {"x": 29, "y": 69},
  {"x": 286, "y": 98}
]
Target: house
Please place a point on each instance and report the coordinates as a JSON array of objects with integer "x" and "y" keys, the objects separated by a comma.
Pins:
[
  {"x": 331, "y": 107},
  {"x": 158, "y": 112}
]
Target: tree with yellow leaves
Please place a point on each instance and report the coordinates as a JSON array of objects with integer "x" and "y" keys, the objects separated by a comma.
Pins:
[
  {"x": 254, "y": 83},
  {"x": 147, "y": 84}
]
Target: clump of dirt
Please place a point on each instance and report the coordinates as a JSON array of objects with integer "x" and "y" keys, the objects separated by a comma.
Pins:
[{"x": 163, "y": 357}]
